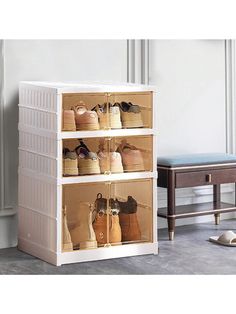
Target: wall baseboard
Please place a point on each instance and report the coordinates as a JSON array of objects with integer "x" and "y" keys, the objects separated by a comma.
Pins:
[
  {"x": 8, "y": 228},
  {"x": 7, "y": 212}
]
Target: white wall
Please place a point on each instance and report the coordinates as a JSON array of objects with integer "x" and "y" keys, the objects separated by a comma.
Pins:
[
  {"x": 81, "y": 60},
  {"x": 190, "y": 76}
]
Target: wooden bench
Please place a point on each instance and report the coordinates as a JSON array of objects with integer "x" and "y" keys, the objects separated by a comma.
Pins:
[{"x": 195, "y": 170}]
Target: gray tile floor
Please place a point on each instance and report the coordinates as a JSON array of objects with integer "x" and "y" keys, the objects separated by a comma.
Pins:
[{"x": 189, "y": 253}]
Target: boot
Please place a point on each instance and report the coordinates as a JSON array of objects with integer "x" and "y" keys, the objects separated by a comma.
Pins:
[
  {"x": 114, "y": 229},
  {"x": 128, "y": 220},
  {"x": 100, "y": 228},
  {"x": 66, "y": 240},
  {"x": 130, "y": 227},
  {"x": 100, "y": 222},
  {"x": 83, "y": 235}
]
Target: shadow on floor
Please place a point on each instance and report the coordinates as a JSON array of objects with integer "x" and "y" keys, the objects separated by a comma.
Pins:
[{"x": 190, "y": 253}]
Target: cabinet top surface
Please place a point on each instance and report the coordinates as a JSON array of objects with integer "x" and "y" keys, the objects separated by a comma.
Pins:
[{"x": 68, "y": 87}]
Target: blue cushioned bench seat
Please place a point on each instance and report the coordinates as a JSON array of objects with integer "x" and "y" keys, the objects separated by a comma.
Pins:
[{"x": 195, "y": 159}]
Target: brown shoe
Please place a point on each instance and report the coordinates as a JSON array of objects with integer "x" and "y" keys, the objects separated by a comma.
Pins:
[
  {"x": 109, "y": 161},
  {"x": 114, "y": 229},
  {"x": 82, "y": 234},
  {"x": 128, "y": 220},
  {"x": 132, "y": 158},
  {"x": 68, "y": 120},
  {"x": 129, "y": 227},
  {"x": 66, "y": 238},
  {"x": 100, "y": 228},
  {"x": 85, "y": 119},
  {"x": 101, "y": 219}
]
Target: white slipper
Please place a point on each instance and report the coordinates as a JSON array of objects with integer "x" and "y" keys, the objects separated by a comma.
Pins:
[{"x": 227, "y": 238}]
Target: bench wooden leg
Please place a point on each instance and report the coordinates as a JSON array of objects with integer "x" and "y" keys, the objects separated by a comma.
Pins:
[
  {"x": 216, "y": 201},
  {"x": 171, "y": 204},
  {"x": 171, "y": 228}
]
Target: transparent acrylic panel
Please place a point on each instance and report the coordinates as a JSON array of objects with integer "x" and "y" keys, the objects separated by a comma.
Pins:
[
  {"x": 135, "y": 108},
  {"x": 134, "y": 201},
  {"x": 94, "y": 111},
  {"x": 107, "y": 155},
  {"x": 80, "y": 111},
  {"x": 86, "y": 212},
  {"x": 105, "y": 214}
]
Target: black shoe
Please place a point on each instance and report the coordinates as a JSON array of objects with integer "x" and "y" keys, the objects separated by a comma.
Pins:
[
  {"x": 101, "y": 205},
  {"x": 128, "y": 207},
  {"x": 129, "y": 107}
]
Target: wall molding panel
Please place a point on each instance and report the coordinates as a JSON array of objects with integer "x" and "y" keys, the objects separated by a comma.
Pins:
[
  {"x": 1, "y": 125},
  {"x": 145, "y": 61},
  {"x": 138, "y": 61},
  {"x": 230, "y": 101},
  {"x": 5, "y": 211}
]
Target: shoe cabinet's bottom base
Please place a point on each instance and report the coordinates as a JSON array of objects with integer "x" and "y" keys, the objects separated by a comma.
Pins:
[{"x": 59, "y": 259}]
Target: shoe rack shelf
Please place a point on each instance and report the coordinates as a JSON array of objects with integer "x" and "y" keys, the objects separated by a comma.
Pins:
[
  {"x": 47, "y": 186},
  {"x": 105, "y": 133}
]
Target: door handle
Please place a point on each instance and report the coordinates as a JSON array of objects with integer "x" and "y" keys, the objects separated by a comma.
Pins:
[{"x": 208, "y": 178}]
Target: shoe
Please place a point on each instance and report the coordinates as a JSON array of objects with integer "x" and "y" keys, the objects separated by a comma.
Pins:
[
  {"x": 82, "y": 234},
  {"x": 70, "y": 163},
  {"x": 132, "y": 158},
  {"x": 114, "y": 229},
  {"x": 85, "y": 119},
  {"x": 112, "y": 119},
  {"x": 128, "y": 220},
  {"x": 66, "y": 241},
  {"x": 101, "y": 219},
  {"x": 88, "y": 161},
  {"x": 68, "y": 120},
  {"x": 128, "y": 207},
  {"x": 131, "y": 116},
  {"x": 100, "y": 229},
  {"x": 109, "y": 161}
]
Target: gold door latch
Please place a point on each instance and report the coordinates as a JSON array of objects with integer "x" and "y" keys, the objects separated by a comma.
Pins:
[{"x": 208, "y": 178}]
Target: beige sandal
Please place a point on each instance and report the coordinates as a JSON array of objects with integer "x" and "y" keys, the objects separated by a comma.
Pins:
[{"x": 227, "y": 238}]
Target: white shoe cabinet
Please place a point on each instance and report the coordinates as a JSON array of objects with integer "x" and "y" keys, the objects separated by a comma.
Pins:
[{"x": 41, "y": 182}]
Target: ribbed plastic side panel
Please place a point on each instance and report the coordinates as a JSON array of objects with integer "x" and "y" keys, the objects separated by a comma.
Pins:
[
  {"x": 37, "y": 195},
  {"x": 38, "y": 119},
  {"x": 37, "y": 228},
  {"x": 39, "y": 98},
  {"x": 40, "y": 164},
  {"x": 39, "y": 144}
]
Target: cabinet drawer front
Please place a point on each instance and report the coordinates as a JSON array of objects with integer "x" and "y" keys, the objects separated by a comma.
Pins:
[{"x": 206, "y": 177}]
